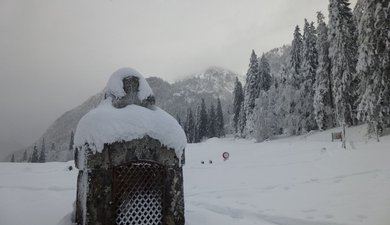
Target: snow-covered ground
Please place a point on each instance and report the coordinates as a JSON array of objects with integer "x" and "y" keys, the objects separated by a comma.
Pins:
[{"x": 291, "y": 181}]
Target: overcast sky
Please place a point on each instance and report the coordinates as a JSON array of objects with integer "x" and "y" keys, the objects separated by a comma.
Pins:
[{"x": 55, "y": 54}]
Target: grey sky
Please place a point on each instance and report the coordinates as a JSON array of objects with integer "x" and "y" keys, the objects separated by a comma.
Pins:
[{"x": 55, "y": 54}]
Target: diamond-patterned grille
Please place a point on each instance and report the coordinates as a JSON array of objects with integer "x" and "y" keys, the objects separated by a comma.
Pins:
[{"x": 138, "y": 193}]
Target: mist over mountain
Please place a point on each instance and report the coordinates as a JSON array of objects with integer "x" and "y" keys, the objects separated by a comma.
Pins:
[
  {"x": 9, "y": 146},
  {"x": 57, "y": 136},
  {"x": 174, "y": 98}
]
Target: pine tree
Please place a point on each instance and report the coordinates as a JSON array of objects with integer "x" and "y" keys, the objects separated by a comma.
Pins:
[
  {"x": 238, "y": 95},
  {"x": 374, "y": 64},
  {"x": 203, "y": 122},
  {"x": 264, "y": 74},
  {"x": 308, "y": 73},
  {"x": 266, "y": 122},
  {"x": 277, "y": 107},
  {"x": 190, "y": 126},
  {"x": 342, "y": 52},
  {"x": 13, "y": 158},
  {"x": 251, "y": 90},
  {"x": 211, "y": 129},
  {"x": 42, "y": 156},
  {"x": 291, "y": 95},
  {"x": 34, "y": 156},
  {"x": 296, "y": 58},
  {"x": 289, "y": 101},
  {"x": 196, "y": 137},
  {"x": 323, "y": 99},
  {"x": 220, "y": 125},
  {"x": 242, "y": 121},
  {"x": 197, "y": 124},
  {"x": 25, "y": 156},
  {"x": 71, "y": 142},
  {"x": 309, "y": 52},
  {"x": 283, "y": 102}
]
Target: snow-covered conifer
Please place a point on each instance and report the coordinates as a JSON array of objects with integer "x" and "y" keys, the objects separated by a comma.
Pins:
[
  {"x": 197, "y": 138},
  {"x": 211, "y": 131},
  {"x": 266, "y": 123},
  {"x": 323, "y": 99},
  {"x": 42, "y": 155},
  {"x": 190, "y": 126},
  {"x": 34, "y": 156},
  {"x": 305, "y": 93},
  {"x": 238, "y": 99},
  {"x": 251, "y": 90},
  {"x": 242, "y": 121},
  {"x": 296, "y": 58},
  {"x": 342, "y": 52},
  {"x": 220, "y": 125},
  {"x": 203, "y": 121},
  {"x": 291, "y": 95},
  {"x": 374, "y": 64},
  {"x": 264, "y": 74},
  {"x": 71, "y": 142}
]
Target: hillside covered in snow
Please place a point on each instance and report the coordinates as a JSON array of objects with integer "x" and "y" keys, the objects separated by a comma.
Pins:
[{"x": 302, "y": 180}]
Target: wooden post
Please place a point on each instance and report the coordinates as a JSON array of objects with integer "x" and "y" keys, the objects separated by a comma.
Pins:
[{"x": 344, "y": 145}]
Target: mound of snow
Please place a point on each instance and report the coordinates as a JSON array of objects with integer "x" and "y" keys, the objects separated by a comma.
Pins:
[
  {"x": 115, "y": 84},
  {"x": 106, "y": 124}
]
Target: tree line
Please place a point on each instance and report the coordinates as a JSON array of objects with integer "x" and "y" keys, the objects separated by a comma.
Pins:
[
  {"x": 39, "y": 156},
  {"x": 338, "y": 74},
  {"x": 204, "y": 123}
]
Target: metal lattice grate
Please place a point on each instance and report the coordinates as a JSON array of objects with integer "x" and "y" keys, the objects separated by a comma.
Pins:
[{"x": 138, "y": 193}]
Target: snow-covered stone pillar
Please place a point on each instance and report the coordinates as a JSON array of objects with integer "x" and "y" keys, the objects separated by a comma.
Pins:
[{"x": 129, "y": 154}]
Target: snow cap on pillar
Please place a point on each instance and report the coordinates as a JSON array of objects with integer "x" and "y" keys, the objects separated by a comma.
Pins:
[{"x": 128, "y": 112}]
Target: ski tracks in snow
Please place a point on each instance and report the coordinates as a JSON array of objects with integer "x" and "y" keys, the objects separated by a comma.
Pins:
[{"x": 259, "y": 215}]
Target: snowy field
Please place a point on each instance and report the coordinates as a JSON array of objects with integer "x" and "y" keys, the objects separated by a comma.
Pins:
[{"x": 291, "y": 181}]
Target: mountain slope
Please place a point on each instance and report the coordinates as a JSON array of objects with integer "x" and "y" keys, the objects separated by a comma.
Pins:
[
  {"x": 60, "y": 131},
  {"x": 174, "y": 98},
  {"x": 278, "y": 59},
  {"x": 212, "y": 83}
]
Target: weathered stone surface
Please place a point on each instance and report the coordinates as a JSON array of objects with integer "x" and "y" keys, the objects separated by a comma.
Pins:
[
  {"x": 131, "y": 87},
  {"x": 95, "y": 203},
  {"x": 99, "y": 169}
]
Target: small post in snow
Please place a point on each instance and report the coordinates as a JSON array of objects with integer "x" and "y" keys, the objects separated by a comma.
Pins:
[{"x": 344, "y": 145}]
